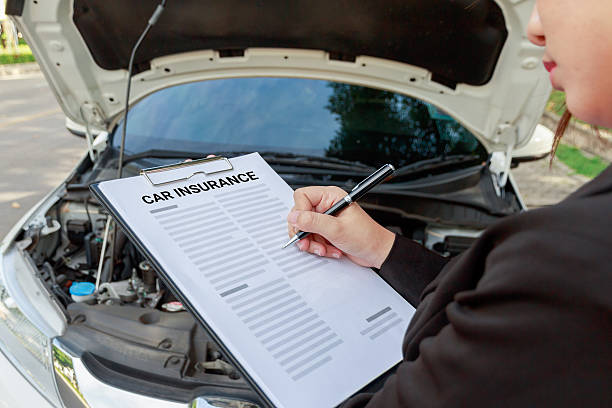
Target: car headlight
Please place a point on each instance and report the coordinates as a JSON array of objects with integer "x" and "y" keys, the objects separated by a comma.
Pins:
[{"x": 25, "y": 346}]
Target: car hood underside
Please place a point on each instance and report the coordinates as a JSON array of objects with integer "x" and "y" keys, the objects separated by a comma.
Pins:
[
  {"x": 471, "y": 33},
  {"x": 470, "y": 59}
]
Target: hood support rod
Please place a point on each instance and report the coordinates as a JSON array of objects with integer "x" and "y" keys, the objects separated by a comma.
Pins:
[
  {"x": 156, "y": 14},
  {"x": 90, "y": 114}
]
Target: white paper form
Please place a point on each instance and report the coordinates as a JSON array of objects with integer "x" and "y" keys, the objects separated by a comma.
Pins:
[{"x": 310, "y": 331}]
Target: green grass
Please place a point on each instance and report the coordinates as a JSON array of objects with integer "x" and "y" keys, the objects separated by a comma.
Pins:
[
  {"x": 556, "y": 103},
  {"x": 23, "y": 54},
  {"x": 576, "y": 160},
  {"x": 16, "y": 59}
]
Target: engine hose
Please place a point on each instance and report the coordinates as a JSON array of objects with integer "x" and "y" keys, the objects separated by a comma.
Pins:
[{"x": 58, "y": 216}]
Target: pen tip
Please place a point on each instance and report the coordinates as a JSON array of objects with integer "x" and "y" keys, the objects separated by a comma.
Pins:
[{"x": 291, "y": 241}]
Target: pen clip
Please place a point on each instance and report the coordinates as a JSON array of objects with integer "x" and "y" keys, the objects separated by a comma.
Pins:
[
  {"x": 357, "y": 186},
  {"x": 371, "y": 176}
]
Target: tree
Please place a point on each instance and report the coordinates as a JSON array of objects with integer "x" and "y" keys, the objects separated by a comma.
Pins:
[{"x": 380, "y": 126}]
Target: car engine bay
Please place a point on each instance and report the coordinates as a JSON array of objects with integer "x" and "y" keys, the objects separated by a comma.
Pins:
[{"x": 132, "y": 331}]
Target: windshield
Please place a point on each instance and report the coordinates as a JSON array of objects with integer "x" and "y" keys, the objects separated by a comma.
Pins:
[{"x": 299, "y": 116}]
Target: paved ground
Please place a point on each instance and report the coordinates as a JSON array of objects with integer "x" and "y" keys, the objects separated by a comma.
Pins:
[
  {"x": 36, "y": 150},
  {"x": 541, "y": 186}
]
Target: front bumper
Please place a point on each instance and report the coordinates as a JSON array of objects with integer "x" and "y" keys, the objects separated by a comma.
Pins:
[
  {"x": 79, "y": 388},
  {"x": 16, "y": 391}
]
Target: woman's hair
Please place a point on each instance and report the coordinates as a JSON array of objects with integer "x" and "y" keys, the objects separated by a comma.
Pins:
[{"x": 561, "y": 128}]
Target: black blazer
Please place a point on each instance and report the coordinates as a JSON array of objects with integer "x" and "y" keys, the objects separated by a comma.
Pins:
[{"x": 521, "y": 319}]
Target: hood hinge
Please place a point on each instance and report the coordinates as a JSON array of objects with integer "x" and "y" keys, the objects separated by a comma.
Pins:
[
  {"x": 501, "y": 161},
  {"x": 91, "y": 114}
]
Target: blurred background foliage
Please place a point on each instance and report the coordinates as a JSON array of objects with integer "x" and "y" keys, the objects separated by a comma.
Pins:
[{"x": 13, "y": 48}]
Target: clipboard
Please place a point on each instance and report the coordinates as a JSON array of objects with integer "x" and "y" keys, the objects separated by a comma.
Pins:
[
  {"x": 317, "y": 334},
  {"x": 158, "y": 176}
]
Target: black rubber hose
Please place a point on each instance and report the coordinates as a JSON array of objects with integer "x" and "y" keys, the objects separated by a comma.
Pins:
[{"x": 58, "y": 216}]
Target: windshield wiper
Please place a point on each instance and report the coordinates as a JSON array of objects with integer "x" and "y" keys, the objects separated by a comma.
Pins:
[
  {"x": 284, "y": 163},
  {"x": 161, "y": 154},
  {"x": 304, "y": 160},
  {"x": 306, "y": 164},
  {"x": 435, "y": 163},
  {"x": 270, "y": 156}
]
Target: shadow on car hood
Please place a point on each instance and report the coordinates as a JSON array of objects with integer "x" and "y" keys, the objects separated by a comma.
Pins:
[
  {"x": 469, "y": 58},
  {"x": 470, "y": 33}
]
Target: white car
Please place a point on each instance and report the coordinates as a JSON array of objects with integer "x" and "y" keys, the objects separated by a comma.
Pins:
[{"x": 448, "y": 91}]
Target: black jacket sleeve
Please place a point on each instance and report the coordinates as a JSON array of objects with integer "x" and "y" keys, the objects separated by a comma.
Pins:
[
  {"x": 410, "y": 267},
  {"x": 523, "y": 318}
]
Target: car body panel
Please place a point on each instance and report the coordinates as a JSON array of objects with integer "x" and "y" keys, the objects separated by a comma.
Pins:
[
  {"x": 79, "y": 388},
  {"x": 501, "y": 113},
  {"x": 540, "y": 145},
  {"x": 16, "y": 391},
  {"x": 396, "y": 30},
  {"x": 24, "y": 285}
]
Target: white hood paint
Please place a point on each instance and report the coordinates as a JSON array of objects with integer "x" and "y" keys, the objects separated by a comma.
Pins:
[{"x": 502, "y": 114}]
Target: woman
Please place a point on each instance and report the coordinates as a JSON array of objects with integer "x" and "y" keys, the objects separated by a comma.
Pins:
[{"x": 524, "y": 317}]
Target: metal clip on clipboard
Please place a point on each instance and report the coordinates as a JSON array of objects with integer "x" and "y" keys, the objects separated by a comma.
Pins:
[{"x": 158, "y": 176}]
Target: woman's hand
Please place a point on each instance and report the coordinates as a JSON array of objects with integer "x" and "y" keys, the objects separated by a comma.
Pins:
[{"x": 352, "y": 232}]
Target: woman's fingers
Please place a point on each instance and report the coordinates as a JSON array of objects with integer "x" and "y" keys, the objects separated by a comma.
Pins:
[
  {"x": 316, "y": 245},
  {"x": 328, "y": 249},
  {"x": 317, "y": 198},
  {"x": 309, "y": 221},
  {"x": 351, "y": 233},
  {"x": 308, "y": 202},
  {"x": 291, "y": 231}
]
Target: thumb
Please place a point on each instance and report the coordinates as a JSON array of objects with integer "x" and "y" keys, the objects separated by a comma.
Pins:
[{"x": 326, "y": 225}]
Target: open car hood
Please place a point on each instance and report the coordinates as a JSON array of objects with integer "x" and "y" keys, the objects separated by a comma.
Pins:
[{"x": 469, "y": 58}]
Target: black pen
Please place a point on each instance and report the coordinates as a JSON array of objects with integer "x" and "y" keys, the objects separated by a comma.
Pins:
[{"x": 355, "y": 194}]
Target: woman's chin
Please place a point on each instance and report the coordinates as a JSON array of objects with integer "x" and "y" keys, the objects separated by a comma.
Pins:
[
  {"x": 589, "y": 112},
  {"x": 556, "y": 84},
  {"x": 558, "y": 87}
]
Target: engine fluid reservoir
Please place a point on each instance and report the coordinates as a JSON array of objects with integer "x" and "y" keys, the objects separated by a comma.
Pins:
[{"x": 82, "y": 292}]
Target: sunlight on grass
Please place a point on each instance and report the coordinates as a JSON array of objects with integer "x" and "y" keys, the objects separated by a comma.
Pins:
[
  {"x": 556, "y": 103},
  {"x": 23, "y": 54},
  {"x": 577, "y": 161}
]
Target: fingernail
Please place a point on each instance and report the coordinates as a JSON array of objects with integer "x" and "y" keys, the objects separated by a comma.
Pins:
[
  {"x": 292, "y": 217},
  {"x": 317, "y": 252},
  {"x": 336, "y": 255},
  {"x": 301, "y": 245}
]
